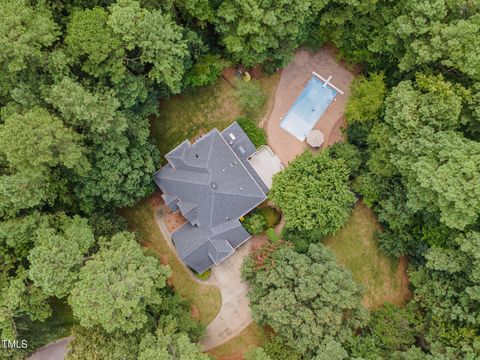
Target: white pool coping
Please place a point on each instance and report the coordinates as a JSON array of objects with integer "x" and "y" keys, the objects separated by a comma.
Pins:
[{"x": 327, "y": 82}]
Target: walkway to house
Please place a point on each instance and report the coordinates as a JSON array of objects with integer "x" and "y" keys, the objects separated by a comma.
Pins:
[{"x": 293, "y": 79}]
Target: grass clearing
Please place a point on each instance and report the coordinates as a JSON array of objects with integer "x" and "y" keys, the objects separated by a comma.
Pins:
[
  {"x": 384, "y": 278},
  {"x": 251, "y": 337},
  {"x": 204, "y": 299},
  {"x": 200, "y": 110}
]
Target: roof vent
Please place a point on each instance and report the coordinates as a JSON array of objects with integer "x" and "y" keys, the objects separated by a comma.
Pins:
[
  {"x": 226, "y": 218},
  {"x": 196, "y": 155},
  {"x": 213, "y": 185}
]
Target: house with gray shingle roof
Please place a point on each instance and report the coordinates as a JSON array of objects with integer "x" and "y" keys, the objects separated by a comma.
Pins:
[{"x": 213, "y": 185}]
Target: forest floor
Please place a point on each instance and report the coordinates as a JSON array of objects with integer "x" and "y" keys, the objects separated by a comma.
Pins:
[
  {"x": 384, "y": 278},
  {"x": 205, "y": 299}
]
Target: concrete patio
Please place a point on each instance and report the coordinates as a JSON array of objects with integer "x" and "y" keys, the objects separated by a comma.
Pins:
[{"x": 293, "y": 79}]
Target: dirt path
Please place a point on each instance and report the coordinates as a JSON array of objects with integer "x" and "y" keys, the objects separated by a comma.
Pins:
[{"x": 293, "y": 79}]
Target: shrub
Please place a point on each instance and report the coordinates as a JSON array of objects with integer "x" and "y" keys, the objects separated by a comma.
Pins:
[
  {"x": 272, "y": 235},
  {"x": 279, "y": 351},
  {"x": 250, "y": 95},
  {"x": 255, "y": 134},
  {"x": 271, "y": 215},
  {"x": 255, "y": 223},
  {"x": 314, "y": 193},
  {"x": 207, "y": 69},
  {"x": 257, "y": 354},
  {"x": 348, "y": 153},
  {"x": 205, "y": 275},
  {"x": 299, "y": 241}
]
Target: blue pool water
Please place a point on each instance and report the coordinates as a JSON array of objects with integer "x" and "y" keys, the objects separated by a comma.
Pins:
[{"x": 308, "y": 108}]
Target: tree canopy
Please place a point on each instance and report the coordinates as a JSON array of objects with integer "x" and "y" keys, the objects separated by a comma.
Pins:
[
  {"x": 307, "y": 299},
  {"x": 258, "y": 31},
  {"x": 120, "y": 291},
  {"x": 26, "y": 31},
  {"x": 79, "y": 82},
  {"x": 314, "y": 193}
]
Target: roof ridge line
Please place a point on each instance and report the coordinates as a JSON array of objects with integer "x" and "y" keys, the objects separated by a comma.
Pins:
[
  {"x": 176, "y": 147},
  {"x": 234, "y": 194},
  {"x": 191, "y": 252},
  {"x": 186, "y": 181},
  {"x": 248, "y": 172}
]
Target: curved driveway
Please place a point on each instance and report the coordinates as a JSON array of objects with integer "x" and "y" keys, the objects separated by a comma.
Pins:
[{"x": 235, "y": 315}]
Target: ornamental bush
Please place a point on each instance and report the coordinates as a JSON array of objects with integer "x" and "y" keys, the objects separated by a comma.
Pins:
[
  {"x": 254, "y": 133},
  {"x": 255, "y": 223}
]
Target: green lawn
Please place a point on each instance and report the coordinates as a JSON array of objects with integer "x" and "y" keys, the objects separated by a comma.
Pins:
[
  {"x": 188, "y": 115},
  {"x": 355, "y": 247},
  {"x": 251, "y": 337},
  {"x": 205, "y": 299}
]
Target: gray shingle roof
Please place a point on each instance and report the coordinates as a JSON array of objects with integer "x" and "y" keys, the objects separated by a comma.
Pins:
[
  {"x": 243, "y": 147},
  {"x": 209, "y": 182}
]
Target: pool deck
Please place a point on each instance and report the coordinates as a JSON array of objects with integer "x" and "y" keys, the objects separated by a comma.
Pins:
[{"x": 293, "y": 79}]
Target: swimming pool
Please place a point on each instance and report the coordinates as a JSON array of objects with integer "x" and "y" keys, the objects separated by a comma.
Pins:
[{"x": 308, "y": 108}]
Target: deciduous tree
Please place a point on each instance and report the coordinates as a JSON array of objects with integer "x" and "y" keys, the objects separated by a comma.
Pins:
[
  {"x": 307, "y": 299},
  {"x": 58, "y": 255},
  {"x": 38, "y": 139},
  {"x": 313, "y": 192},
  {"x": 25, "y": 32},
  {"x": 169, "y": 346},
  {"x": 366, "y": 100},
  {"x": 120, "y": 282},
  {"x": 254, "y": 32},
  {"x": 153, "y": 40}
]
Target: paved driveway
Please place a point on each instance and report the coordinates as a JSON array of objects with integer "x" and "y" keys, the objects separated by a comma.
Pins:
[
  {"x": 234, "y": 316},
  {"x": 53, "y": 351}
]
